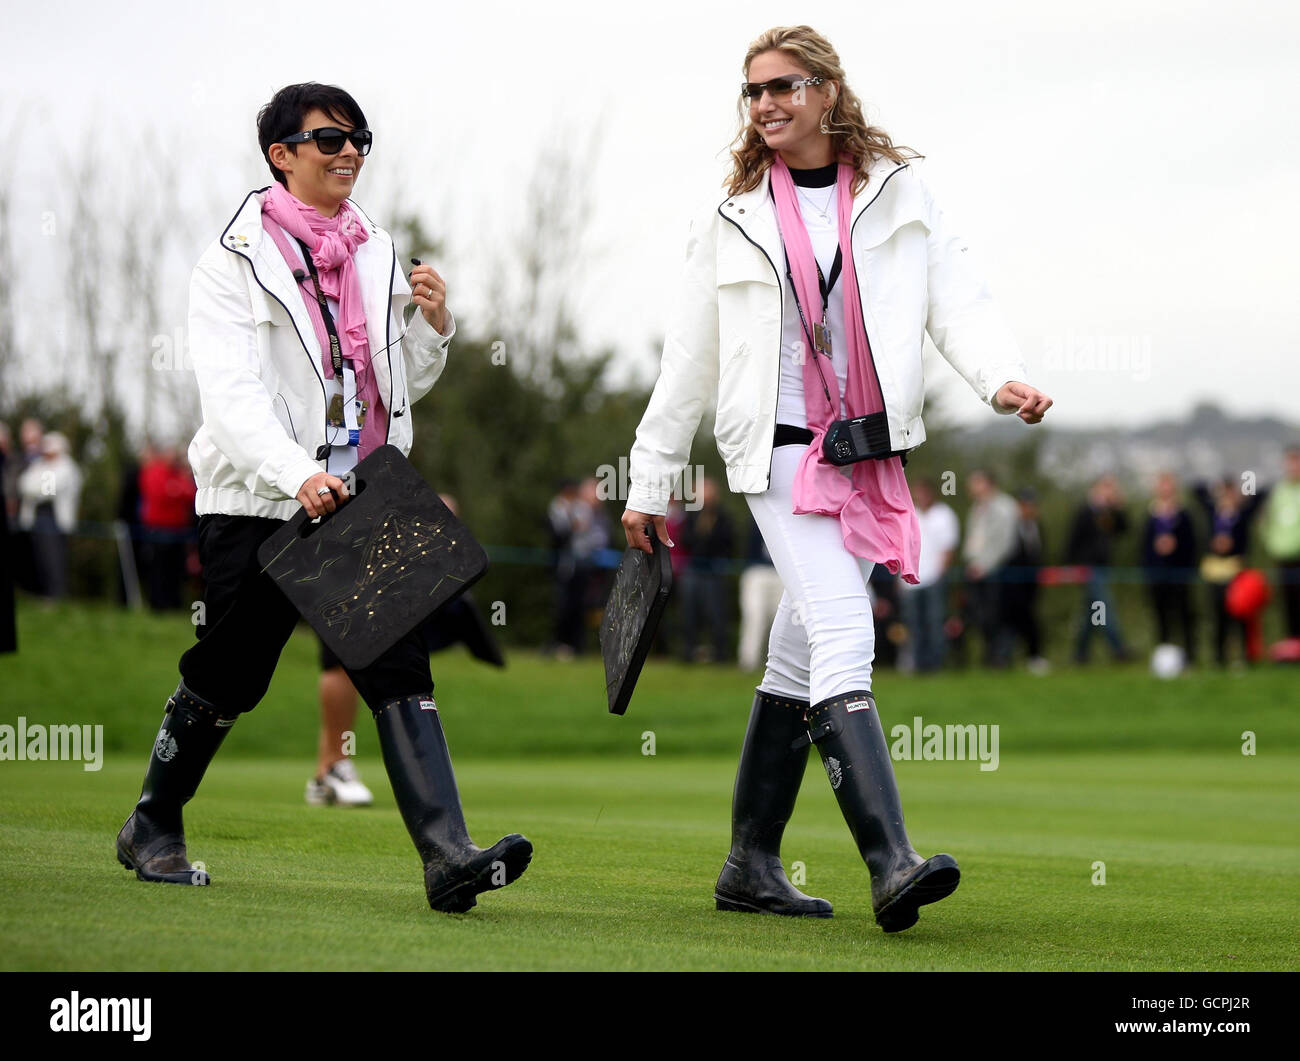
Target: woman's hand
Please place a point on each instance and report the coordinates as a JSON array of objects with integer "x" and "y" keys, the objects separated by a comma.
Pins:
[
  {"x": 1025, "y": 401},
  {"x": 429, "y": 292},
  {"x": 634, "y": 524},
  {"x": 316, "y": 503}
]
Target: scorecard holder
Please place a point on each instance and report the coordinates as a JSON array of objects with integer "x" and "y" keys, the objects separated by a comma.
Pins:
[
  {"x": 370, "y": 572},
  {"x": 632, "y": 614}
]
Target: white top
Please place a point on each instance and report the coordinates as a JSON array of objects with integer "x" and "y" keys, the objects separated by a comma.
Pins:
[
  {"x": 342, "y": 457},
  {"x": 940, "y": 532},
  {"x": 824, "y": 235}
]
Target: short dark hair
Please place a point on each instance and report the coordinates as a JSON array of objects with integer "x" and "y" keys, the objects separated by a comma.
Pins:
[{"x": 284, "y": 114}]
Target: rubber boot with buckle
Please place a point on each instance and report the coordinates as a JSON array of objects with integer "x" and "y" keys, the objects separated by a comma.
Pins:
[
  {"x": 419, "y": 768},
  {"x": 753, "y": 879},
  {"x": 848, "y": 734},
  {"x": 152, "y": 842}
]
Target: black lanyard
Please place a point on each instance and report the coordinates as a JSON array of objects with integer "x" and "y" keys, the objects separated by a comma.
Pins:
[
  {"x": 821, "y": 284},
  {"x": 336, "y": 351},
  {"x": 825, "y": 289}
]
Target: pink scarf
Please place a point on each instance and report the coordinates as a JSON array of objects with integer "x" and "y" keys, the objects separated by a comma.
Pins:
[
  {"x": 332, "y": 242},
  {"x": 877, "y": 518}
]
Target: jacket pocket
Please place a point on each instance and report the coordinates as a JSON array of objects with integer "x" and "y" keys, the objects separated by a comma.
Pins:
[{"x": 744, "y": 264}]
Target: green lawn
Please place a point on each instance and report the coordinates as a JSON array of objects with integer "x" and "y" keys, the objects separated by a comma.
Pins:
[{"x": 1201, "y": 843}]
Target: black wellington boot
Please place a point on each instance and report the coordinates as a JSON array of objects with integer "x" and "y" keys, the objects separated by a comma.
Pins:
[
  {"x": 848, "y": 733},
  {"x": 152, "y": 842},
  {"x": 753, "y": 879},
  {"x": 419, "y": 768}
]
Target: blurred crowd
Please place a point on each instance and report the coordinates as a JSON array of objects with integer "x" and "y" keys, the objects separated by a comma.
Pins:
[
  {"x": 154, "y": 522},
  {"x": 980, "y": 574},
  {"x": 980, "y": 577}
]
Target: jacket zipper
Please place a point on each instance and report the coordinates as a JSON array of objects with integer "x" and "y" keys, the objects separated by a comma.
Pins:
[
  {"x": 388, "y": 352},
  {"x": 781, "y": 294},
  {"x": 253, "y": 269}
]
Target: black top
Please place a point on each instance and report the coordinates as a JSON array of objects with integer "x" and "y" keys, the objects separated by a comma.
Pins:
[
  {"x": 1093, "y": 534},
  {"x": 821, "y": 177}
]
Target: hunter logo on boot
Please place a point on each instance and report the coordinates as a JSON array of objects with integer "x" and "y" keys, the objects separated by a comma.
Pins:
[
  {"x": 165, "y": 747},
  {"x": 833, "y": 771},
  {"x": 428, "y": 705},
  {"x": 858, "y": 705}
]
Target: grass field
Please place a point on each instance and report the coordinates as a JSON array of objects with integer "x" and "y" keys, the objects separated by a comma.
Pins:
[{"x": 1201, "y": 844}]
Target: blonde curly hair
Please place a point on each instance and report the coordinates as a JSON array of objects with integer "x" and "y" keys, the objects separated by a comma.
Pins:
[{"x": 852, "y": 139}]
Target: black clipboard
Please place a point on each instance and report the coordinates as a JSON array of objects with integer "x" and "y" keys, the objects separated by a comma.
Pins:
[
  {"x": 372, "y": 571},
  {"x": 632, "y": 614}
]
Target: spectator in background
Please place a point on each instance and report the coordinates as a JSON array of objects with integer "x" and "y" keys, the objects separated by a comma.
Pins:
[
  {"x": 166, "y": 517},
  {"x": 709, "y": 539},
  {"x": 576, "y": 535},
  {"x": 1168, "y": 560},
  {"x": 26, "y": 576},
  {"x": 127, "y": 523},
  {"x": 1020, "y": 592},
  {"x": 10, "y": 468},
  {"x": 8, "y": 624},
  {"x": 760, "y": 597},
  {"x": 1099, "y": 521},
  {"x": 49, "y": 491},
  {"x": 30, "y": 435},
  {"x": 1281, "y": 529},
  {"x": 925, "y": 605},
  {"x": 990, "y": 541},
  {"x": 1230, "y": 513},
  {"x": 593, "y": 539}
]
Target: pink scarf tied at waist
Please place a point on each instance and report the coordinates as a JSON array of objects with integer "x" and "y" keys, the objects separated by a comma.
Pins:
[
  {"x": 874, "y": 505},
  {"x": 332, "y": 241}
]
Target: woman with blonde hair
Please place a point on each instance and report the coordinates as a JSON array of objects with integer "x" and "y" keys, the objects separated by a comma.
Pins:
[{"x": 807, "y": 294}]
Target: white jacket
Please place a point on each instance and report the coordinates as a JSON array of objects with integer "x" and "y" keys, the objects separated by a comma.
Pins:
[
  {"x": 258, "y": 362},
  {"x": 724, "y": 339}
]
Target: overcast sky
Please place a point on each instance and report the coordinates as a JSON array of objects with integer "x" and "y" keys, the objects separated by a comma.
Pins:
[{"x": 1127, "y": 170}]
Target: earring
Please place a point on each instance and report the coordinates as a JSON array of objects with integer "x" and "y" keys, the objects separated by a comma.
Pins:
[{"x": 824, "y": 127}]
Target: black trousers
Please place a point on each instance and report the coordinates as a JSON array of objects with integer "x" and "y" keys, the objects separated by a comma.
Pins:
[
  {"x": 1172, "y": 603},
  {"x": 247, "y": 620},
  {"x": 1020, "y": 615},
  {"x": 1225, "y": 625}
]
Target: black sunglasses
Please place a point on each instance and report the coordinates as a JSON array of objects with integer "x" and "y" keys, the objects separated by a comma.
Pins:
[
  {"x": 778, "y": 87},
  {"x": 331, "y": 140}
]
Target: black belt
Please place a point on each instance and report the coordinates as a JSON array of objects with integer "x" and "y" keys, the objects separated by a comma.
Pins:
[{"x": 788, "y": 435}]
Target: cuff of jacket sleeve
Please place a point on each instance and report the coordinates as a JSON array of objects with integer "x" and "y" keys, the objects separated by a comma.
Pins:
[
  {"x": 1003, "y": 379},
  {"x": 291, "y": 480},
  {"x": 426, "y": 334},
  {"x": 647, "y": 498}
]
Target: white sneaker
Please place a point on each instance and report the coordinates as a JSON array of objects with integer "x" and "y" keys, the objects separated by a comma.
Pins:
[
  {"x": 339, "y": 787},
  {"x": 1039, "y": 666}
]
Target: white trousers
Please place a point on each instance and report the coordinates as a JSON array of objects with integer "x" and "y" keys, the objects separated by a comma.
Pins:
[{"x": 823, "y": 641}]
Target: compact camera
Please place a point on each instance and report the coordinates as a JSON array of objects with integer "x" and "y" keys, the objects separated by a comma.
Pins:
[{"x": 862, "y": 438}]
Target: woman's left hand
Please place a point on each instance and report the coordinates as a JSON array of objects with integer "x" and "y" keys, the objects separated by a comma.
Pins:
[
  {"x": 429, "y": 292},
  {"x": 1025, "y": 401}
]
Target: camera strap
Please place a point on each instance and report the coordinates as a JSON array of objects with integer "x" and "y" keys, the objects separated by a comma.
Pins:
[{"x": 819, "y": 335}]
